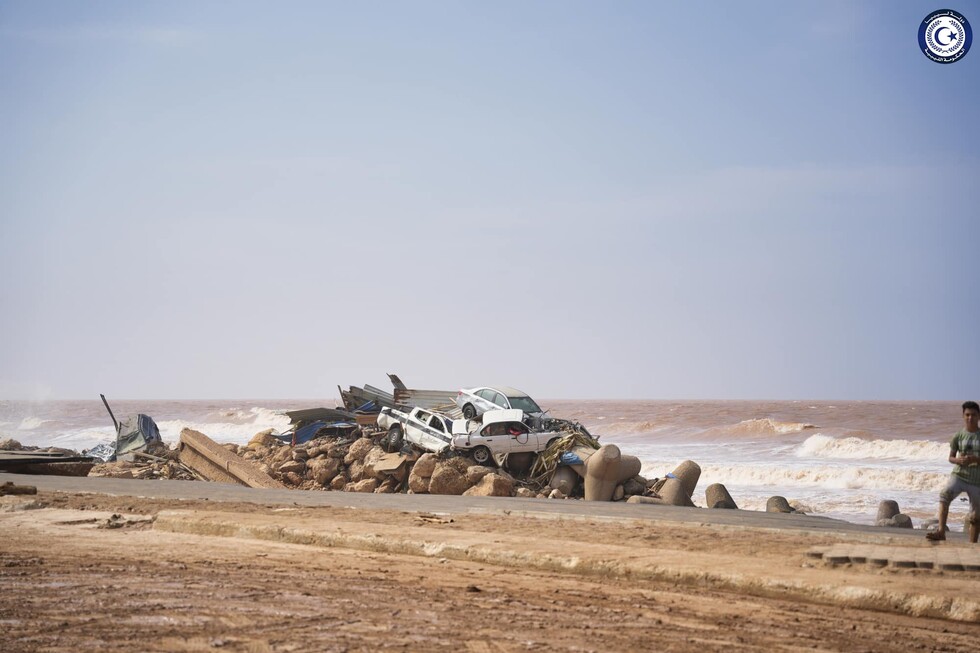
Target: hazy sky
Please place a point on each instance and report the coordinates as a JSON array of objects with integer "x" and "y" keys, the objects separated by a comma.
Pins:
[{"x": 580, "y": 199}]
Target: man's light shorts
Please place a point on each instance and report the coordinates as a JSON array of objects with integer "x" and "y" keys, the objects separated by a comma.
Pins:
[{"x": 956, "y": 487}]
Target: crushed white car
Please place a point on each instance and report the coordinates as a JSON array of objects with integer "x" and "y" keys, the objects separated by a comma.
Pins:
[
  {"x": 502, "y": 432},
  {"x": 425, "y": 429}
]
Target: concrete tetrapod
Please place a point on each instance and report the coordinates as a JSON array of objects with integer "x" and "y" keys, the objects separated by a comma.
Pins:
[
  {"x": 717, "y": 496},
  {"x": 778, "y": 504},
  {"x": 688, "y": 473},
  {"x": 887, "y": 509},
  {"x": 564, "y": 479},
  {"x": 605, "y": 469}
]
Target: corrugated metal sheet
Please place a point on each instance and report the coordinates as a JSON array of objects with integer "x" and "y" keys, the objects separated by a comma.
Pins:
[{"x": 438, "y": 400}]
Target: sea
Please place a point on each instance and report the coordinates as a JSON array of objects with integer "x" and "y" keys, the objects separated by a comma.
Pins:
[{"x": 837, "y": 459}]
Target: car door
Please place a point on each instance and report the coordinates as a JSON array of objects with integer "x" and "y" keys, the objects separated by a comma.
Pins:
[
  {"x": 486, "y": 400},
  {"x": 521, "y": 438},
  {"x": 495, "y": 437},
  {"x": 413, "y": 427}
]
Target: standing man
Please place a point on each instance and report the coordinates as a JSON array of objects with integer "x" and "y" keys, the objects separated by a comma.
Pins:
[{"x": 964, "y": 452}]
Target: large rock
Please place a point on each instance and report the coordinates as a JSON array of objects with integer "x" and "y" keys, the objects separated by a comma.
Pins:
[
  {"x": 263, "y": 439},
  {"x": 425, "y": 465},
  {"x": 293, "y": 466},
  {"x": 323, "y": 470},
  {"x": 356, "y": 471},
  {"x": 339, "y": 482},
  {"x": 418, "y": 484},
  {"x": 292, "y": 478},
  {"x": 358, "y": 450},
  {"x": 525, "y": 493},
  {"x": 10, "y": 445},
  {"x": 418, "y": 479},
  {"x": 491, "y": 485},
  {"x": 449, "y": 477},
  {"x": 476, "y": 473},
  {"x": 367, "y": 485}
]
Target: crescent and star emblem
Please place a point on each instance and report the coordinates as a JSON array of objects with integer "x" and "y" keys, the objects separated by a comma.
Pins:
[{"x": 939, "y": 33}]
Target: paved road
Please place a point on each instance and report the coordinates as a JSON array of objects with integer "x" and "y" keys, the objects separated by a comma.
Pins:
[{"x": 165, "y": 489}]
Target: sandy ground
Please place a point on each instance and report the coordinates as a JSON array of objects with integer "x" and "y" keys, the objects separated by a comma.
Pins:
[{"x": 475, "y": 583}]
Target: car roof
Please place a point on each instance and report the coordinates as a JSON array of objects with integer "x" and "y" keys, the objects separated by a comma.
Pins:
[{"x": 505, "y": 390}]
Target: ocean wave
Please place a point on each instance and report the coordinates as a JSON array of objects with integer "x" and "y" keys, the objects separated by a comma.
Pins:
[
  {"x": 782, "y": 478},
  {"x": 237, "y": 432},
  {"x": 31, "y": 423},
  {"x": 825, "y": 446},
  {"x": 769, "y": 426}
]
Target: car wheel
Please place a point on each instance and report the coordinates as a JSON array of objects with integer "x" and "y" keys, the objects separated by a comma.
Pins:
[
  {"x": 468, "y": 411},
  {"x": 395, "y": 438},
  {"x": 482, "y": 455}
]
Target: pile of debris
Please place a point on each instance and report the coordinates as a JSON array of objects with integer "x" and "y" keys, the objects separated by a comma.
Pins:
[
  {"x": 15, "y": 457},
  {"x": 157, "y": 461}
]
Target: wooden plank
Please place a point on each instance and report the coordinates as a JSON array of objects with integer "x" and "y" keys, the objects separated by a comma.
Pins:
[{"x": 211, "y": 460}]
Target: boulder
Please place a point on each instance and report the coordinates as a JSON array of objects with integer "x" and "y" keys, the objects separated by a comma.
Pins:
[
  {"x": 323, "y": 470},
  {"x": 293, "y": 467},
  {"x": 476, "y": 473},
  {"x": 778, "y": 504},
  {"x": 367, "y": 485},
  {"x": 300, "y": 454},
  {"x": 336, "y": 449},
  {"x": 491, "y": 485},
  {"x": 387, "y": 486},
  {"x": 10, "y": 445},
  {"x": 525, "y": 493},
  {"x": 556, "y": 494},
  {"x": 356, "y": 471},
  {"x": 292, "y": 478},
  {"x": 358, "y": 450},
  {"x": 263, "y": 439},
  {"x": 717, "y": 496},
  {"x": 619, "y": 493},
  {"x": 338, "y": 482},
  {"x": 449, "y": 477},
  {"x": 425, "y": 465},
  {"x": 418, "y": 484}
]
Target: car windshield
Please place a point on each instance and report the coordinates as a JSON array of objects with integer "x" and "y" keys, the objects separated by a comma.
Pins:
[{"x": 524, "y": 403}]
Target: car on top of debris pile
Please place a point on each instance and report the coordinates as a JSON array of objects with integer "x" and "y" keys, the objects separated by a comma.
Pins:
[
  {"x": 474, "y": 402},
  {"x": 425, "y": 429},
  {"x": 502, "y": 432}
]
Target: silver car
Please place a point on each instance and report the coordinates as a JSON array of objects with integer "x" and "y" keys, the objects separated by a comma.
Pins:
[{"x": 476, "y": 401}]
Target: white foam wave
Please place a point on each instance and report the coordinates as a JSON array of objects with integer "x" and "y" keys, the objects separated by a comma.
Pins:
[
  {"x": 252, "y": 421},
  {"x": 770, "y": 426},
  {"x": 782, "y": 478},
  {"x": 825, "y": 446},
  {"x": 31, "y": 423}
]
